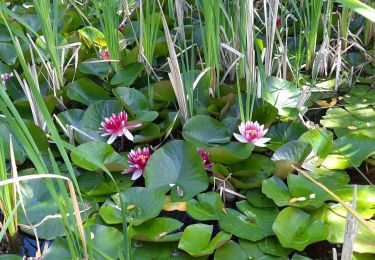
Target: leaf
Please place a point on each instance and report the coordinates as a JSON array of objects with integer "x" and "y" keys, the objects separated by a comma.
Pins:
[
  {"x": 163, "y": 91},
  {"x": 58, "y": 250},
  {"x": 325, "y": 103},
  {"x": 321, "y": 141},
  {"x": 114, "y": 240},
  {"x": 359, "y": 7},
  {"x": 86, "y": 91},
  {"x": 160, "y": 251},
  {"x": 253, "y": 224},
  {"x": 230, "y": 153},
  {"x": 335, "y": 222},
  {"x": 203, "y": 130},
  {"x": 157, "y": 230},
  {"x": 292, "y": 153},
  {"x": 275, "y": 189},
  {"x": 258, "y": 199},
  {"x": 231, "y": 250},
  {"x": 285, "y": 132},
  {"x": 142, "y": 203},
  {"x": 91, "y": 35},
  {"x": 172, "y": 206},
  {"x": 127, "y": 75},
  {"x": 253, "y": 252},
  {"x": 272, "y": 246},
  {"x": 297, "y": 229},
  {"x": 196, "y": 240},
  {"x": 133, "y": 100},
  {"x": 176, "y": 166},
  {"x": 95, "y": 67},
  {"x": 100, "y": 152},
  {"x": 350, "y": 150},
  {"x": 208, "y": 207}
]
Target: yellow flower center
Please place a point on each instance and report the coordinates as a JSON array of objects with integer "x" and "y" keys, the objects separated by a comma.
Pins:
[{"x": 251, "y": 132}]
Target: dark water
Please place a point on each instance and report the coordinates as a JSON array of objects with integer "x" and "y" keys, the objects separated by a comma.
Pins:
[{"x": 29, "y": 245}]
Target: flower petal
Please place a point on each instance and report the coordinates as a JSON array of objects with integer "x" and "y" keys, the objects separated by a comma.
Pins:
[
  {"x": 240, "y": 138},
  {"x": 128, "y": 134},
  {"x": 111, "y": 139},
  {"x": 134, "y": 126},
  {"x": 136, "y": 174}
]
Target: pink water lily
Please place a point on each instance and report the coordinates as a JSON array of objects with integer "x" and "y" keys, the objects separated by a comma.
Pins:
[
  {"x": 137, "y": 162},
  {"x": 252, "y": 132},
  {"x": 279, "y": 21},
  {"x": 104, "y": 55},
  {"x": 204, "y": 155},
  {"x": 5, "y": 77},
  {"x": 116, "y": 126}
]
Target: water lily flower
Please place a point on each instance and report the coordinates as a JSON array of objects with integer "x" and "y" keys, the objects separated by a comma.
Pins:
[
  {"x": 204, "y": 155},
  {"x": 116, "y": 126},
  {"x": 104, "y": 55},
  {"x": 279, "y": 21},
  {"x": 252, "y": 132},
  {"x": 137, "y": 162},
  {"x": 5, "y": 77}
]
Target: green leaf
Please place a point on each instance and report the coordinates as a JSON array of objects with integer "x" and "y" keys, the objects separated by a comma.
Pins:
[
  {"x": 133, "y": 100},
  {"x": 282, "y": 94},
  {"x": 253, "y": 252},
  {"x": 297, "y": 229},
  {"x": 203, "y": 130},
  {"x": 58, "y": 250},
  {"x": 142, "y": 203},
  {"x": 231, "y": 250},
  {"x": 86, "y": 91},
  {"x": 92, "y": 35},
  {"x": 100, "y": 152},
  {"x": 230, "y": 153},
  {"x": 321, "y": 141},
  {"x": 275, "y": 189},
  {"x": 157, "y": 230},
  {"x": 107, "y": 240},
  {"x": 208, "y": 207},
  {"x": 359, "y": 7},
  {"x": 8, "y": 53},
  {"x": 196, "y": 240},
  {"x": 127, "y": 75},
  {"x": 159, "y": 251},
  {"x": 93, "y": 67},
  {"x": 284, "y": 132},
  {"x": 258, "y": 199},
  {"x": 176, "y": 166},
  {"x": 253, "y": 224},
  {"x": 350, "y": 150},
  {"x": 335, "y": 220},
  {"x": 292, "y": 153},
  {"x": 272, "y": 246},
  {"x": 163, "y": 91}
]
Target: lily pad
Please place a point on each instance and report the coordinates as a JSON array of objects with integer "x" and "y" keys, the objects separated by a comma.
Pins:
[
  {"x": 230, "y": 153},
  {"x": 95, "y": 67},
  {"x": 292, "y": 153},
  {"x": 157, "y": 230},
  {"x": 196, "y": 240},
  {"x": 231, "y": 250},
  {"x": 100, "y": 152},
  {"x": 350, "y": 150},
  {"x": 128, "y": 75},
  {"x": 284, "y": 132},
  {"x": 204, "y": 130},
  {"x": 86, "y": 91},
  {"x": 176, "y": 166},
  {"x": 133, "y": 100},
  {"x": 253, "y": 224},
  {"x": 208, "y": 207},
  {"x": 297, "y": 229}
]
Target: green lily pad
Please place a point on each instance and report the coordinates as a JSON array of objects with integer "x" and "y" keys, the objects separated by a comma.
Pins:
[
  {"x": 258, "y": 199},
  {"x": 208, "y": 207},
  {"x": 275, "y": 189},
  {"x": 91, "y": 35},
  {"x": 157, "y": 230},
  {"x": 231, "y": 250},
  {"x": 86, "y": 91},
  {"x": 253, "y": 251},
  {"x": 163, "y": 91},
  {"x": 5, "y": 134},
  {"x": 330, "y": 178},
  {"x": 292, "y": 153},
  {"x": 321, "y": 141},
  {"x": 362, "y": 94},
  {"x": 284, "y": 132},
  {"x": 230, "y": 153},
  {"x": 133, "y": 100},
  {"x": 58, "y": 250},
  {"x": 204, "y": 130},
  {"x": 127, "y": 75},
  {"x": 176, "y": 166},
  {"x": 283, "y": 95},
  {"x": 100, "y": 152},
  {"x": 95, "y": 67},
  {"x": 297, "y": 229},
  {"x": 256, "y": 167},
  {"x": 8, "y": 53},
  {"x": 142, "y": 203},
  {"x": 160, "y": 251},
  {"x": 253, "y": 224},
  {"x": 196, "y": 240},
  {"x": 110, "y": 213},
  {"x": 335, "y": 220},
  {"x": 114, "y": 240},
  {"x": 272, "y": 246},
  {"x": 350, "y": 150}
]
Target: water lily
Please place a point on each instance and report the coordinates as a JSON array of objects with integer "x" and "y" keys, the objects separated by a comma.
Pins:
[
  {"x": 137, "y": 162},
  {"x": 5, "y": 77},
  {"x": 104, "y": 55},
  {"x": 116, "y": 126},
  {"x": 252, "y": 132},
  {"x": 279, "y": 21},
  {"x": 204, "y": 155}
]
